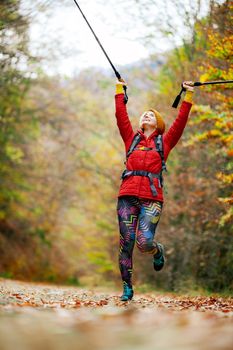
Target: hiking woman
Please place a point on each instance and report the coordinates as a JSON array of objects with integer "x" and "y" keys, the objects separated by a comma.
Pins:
[{"x": 140, "y": 198}]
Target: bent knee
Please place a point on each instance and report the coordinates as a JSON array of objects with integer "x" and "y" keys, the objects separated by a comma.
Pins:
[{"x": 146, "y": 247}]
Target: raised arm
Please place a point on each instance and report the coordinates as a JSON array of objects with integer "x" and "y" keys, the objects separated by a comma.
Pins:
[
  {"x": 174, "y": 133},
  {"x": 123, "y": 122}
]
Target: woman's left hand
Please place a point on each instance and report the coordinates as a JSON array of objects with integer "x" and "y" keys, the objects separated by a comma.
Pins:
[
  {"x": 188, "y": 85},
  {"x": 121, "y": 82}
]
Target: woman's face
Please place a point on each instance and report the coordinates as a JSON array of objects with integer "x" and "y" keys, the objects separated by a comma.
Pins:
[{"x": 148, "y": 118}]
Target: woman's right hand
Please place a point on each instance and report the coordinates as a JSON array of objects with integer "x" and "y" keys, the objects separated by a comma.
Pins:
[{"x": 188, "y": 85}]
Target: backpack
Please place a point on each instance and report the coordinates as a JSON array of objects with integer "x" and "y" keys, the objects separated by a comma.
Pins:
[{"x": 158, "y": 140}]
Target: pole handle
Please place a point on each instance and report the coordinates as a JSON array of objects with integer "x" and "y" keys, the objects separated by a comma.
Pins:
[
  {"x": 198, "y": 83},
  {"x": 124, "y": 86},
  {"x": 177, "y": 99},
  {"x": 125, "y": 93}
]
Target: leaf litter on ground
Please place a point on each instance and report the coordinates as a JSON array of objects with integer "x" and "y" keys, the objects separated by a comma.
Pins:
[{"x": 38, "y": 316}]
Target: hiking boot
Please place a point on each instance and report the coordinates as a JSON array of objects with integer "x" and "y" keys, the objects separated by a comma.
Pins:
[
  {"x": 159, "y": 258},
  {"x": 127, "y": 292}
]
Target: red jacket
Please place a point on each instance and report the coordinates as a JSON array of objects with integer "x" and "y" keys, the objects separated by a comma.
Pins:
[{"x": 146, "y": 160}]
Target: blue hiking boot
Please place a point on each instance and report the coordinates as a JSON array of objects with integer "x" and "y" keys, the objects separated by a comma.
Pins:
[
  {"x": 127, "y": 292},
  {"x": 159, "y": 258}
]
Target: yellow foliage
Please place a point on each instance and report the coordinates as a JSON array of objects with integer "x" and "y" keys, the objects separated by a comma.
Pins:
[
  {"x": 214, "y": 133},
  {"x": 227, "y": 217},
  {"x": 225, "y": 178},
  {"x": 228, "y": 139},
  {"x": 228, "y": 200},
  {"x": 204, "y": 77}
]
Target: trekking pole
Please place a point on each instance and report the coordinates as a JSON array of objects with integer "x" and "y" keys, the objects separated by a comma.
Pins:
[
  {"x": 198, "y": 83},
  {"x": 105, "y": 53}
]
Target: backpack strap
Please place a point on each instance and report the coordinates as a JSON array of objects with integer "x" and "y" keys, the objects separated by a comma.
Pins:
[
  {"x": 160, "y": 149},
  {"x": 135, "y": 142}
]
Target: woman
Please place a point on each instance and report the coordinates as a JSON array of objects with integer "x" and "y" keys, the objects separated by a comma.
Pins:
[{"x": 140, "y": 198}]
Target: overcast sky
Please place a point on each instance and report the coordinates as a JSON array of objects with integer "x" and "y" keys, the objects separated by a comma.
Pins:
[{"x": 117, "y": 24}]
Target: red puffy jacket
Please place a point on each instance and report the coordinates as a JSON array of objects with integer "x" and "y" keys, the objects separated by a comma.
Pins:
[{"x": 146, "y": 160}]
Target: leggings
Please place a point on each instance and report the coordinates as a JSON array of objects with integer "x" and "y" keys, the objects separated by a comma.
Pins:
[{"x": 137, "y": 218}]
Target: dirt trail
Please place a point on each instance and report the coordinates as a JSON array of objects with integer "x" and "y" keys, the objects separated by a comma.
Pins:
[{"x": 36, "y": 316}]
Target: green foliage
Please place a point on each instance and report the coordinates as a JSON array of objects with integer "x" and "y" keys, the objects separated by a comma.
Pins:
[{"x": 13, "y": 86}]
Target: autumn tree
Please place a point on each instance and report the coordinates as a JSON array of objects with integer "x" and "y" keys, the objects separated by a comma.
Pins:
[{"x": 198, "y": 221}]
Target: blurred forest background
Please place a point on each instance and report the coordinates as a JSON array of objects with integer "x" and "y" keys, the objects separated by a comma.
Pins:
[{"x": 61, "y": 155}]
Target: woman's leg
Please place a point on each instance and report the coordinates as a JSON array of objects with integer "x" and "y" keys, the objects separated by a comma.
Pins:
[
  {"x": 150, "y": 212},
  {"x": 128, "y": 211}
]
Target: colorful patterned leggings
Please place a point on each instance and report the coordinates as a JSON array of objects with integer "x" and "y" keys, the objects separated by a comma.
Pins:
[{"x": 136, "y": 217}]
